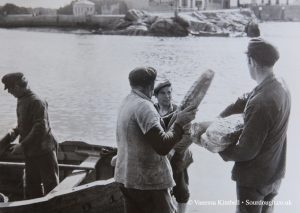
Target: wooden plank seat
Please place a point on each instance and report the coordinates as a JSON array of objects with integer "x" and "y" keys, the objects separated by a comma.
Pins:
[{"x": 77, "y": 176}]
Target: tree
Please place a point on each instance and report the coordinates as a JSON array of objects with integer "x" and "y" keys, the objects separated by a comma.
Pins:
[
  {"x": 11, "y": 9},
  {"x": 123, "y": 7},
  {"x": 66, "y": 10}
]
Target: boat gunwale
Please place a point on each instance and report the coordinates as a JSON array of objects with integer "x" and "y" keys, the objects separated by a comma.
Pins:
[{"x": 54, "y": 194}]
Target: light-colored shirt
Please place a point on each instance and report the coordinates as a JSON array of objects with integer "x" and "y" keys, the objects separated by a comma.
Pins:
[{"x": 138, "y": 165}]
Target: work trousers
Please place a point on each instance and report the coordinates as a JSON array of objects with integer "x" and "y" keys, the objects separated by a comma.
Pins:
[
  {"x": 147, "y": 201},
  {"x": 257, "y": 199},
  {"x": 41, "y": 174}
]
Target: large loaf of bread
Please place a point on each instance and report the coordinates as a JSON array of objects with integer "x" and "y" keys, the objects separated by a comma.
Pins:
[
  {"x": 196, "y": 93},
  {"x": 221, "y": 133},
  {"x": 198, "y": 90}
]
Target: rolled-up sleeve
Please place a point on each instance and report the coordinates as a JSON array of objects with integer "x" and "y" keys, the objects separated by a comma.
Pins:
[
  {"x": 147, "y": 117},
  {"x": 149, "y": 122},
  {"x": 256, "y": 127}
]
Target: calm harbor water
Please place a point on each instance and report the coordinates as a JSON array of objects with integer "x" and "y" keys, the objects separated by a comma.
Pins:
[{"x": 84, "y": 79}]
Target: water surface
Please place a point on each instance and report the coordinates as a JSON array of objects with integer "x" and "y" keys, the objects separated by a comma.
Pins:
[{"x": 85, "y": 77}]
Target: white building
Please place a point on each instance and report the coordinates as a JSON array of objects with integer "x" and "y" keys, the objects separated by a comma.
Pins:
[{"x": 83, "y": 7}]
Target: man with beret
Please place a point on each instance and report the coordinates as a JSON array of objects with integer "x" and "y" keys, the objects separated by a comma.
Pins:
[
  {"x": 142, "y": 167},
  {"x": 179, "y": 159},
  {"x": 163, "y": 94},
  {"x": 260, "y": 153},
  {"x": 35, "y": 138}
]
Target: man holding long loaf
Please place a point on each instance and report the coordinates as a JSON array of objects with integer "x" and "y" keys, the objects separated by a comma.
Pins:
[{"x": 142, "y": 168}]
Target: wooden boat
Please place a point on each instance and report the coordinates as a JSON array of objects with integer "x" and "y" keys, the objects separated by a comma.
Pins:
[{"x": 86, "y": 182}]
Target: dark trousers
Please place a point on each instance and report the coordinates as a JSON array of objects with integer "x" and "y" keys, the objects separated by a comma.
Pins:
[
  {"x": 250, "y": 197},
  {"x": 181, "y": 190},
  {"x": 147, "y": 201},
  {"x": 41, "y": 170}
]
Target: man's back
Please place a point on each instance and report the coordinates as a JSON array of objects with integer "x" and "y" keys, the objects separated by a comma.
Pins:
[
  {"x": 138, "y": 165},
  {"x": 267, "y": 111},
  {"x": 33, "y": 125}
]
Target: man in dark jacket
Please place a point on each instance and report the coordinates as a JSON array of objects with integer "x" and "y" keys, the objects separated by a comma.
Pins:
[
  {"x": 260, "y": 154},
  {"x": 35, "y": 137}
]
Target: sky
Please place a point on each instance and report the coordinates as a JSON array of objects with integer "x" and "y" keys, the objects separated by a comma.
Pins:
[{"x": 37, "y": 3}]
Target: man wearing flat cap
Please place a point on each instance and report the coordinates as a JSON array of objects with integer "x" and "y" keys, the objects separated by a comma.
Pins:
[
  {"x": 260, "y": 153},
  {"x": 180, "y": 159},
  {"x": 35, "y": 137},
  {"x": 142, "y": 168}
]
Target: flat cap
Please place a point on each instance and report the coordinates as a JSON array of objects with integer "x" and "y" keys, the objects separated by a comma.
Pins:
[
  {"x": 262, "y": 51},
  {"x": 9, "y": 80},
  {"x": 161, "y": 85},
  {"x": 142, "y": 76}
]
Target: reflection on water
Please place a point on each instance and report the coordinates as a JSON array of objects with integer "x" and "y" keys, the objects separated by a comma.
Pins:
[{"x": 85, "y": 77}]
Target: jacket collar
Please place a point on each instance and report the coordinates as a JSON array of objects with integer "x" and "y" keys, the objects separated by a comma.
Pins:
[
  {"x": 265, "y": 82},
  {"x": 140, "y": 94},
  {"x": 26, "y": 94}
]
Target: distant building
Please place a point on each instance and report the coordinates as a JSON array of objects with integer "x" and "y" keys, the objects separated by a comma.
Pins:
[
  {"x": 262, "y": 2},
  {"x": 190, "y": 5},
  {"x": 83, "y": 7},
  {"x": 216, "y": 4}
]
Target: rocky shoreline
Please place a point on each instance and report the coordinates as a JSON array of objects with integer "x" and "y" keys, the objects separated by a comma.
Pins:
[
  {"x": 205, "y": 23},
  {"x": 140, "y": 23}
]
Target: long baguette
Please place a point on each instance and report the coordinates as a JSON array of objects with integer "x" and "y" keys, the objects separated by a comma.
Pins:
[
  {"x": 196, "y": 93},
  {"x": 198, "y": 90}
]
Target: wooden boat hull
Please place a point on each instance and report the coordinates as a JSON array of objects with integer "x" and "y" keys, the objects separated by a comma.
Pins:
[
  {"x": 97, "y": 197},
  {"x": 96, "y": 193}
]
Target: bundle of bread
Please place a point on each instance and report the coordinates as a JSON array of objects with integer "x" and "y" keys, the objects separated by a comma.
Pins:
[
  {"x": 193, "y": 97},
  {"x": 220, "y": 134}
]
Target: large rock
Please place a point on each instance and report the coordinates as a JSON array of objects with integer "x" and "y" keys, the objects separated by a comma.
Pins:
[
  {"x": 167, "y": 27},
  {"x": 149, "y": 20},
  {"x": 217, "y": 23},
  {"x": 135, "y": 15},
  {"x": 122, "y": 24},
  {"x": 132, "y": 30},
  {"x": 195, "y": 24},
  {"x": 199, "y": 16},
  {"x": 140, "y": 29}
]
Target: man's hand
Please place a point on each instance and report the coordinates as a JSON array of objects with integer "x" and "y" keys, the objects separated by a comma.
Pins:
[
  {"x": 186, "y": 116},
  {"x": 16, "y": 149}
]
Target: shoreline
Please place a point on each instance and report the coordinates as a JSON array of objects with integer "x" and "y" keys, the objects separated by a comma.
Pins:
[{"x": 222, "y": 23}]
